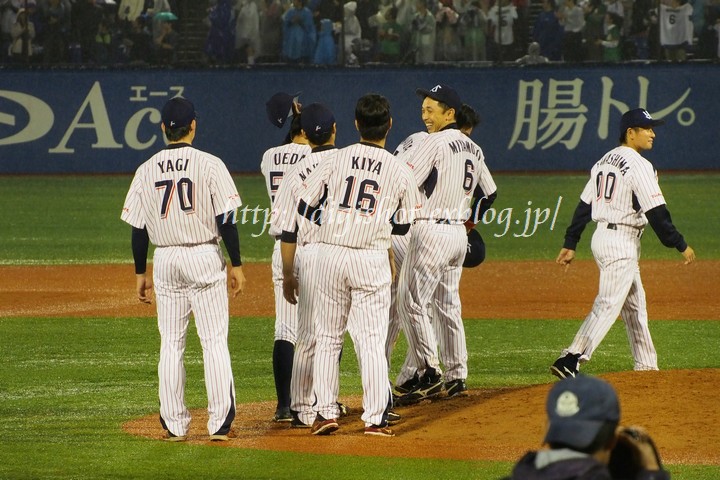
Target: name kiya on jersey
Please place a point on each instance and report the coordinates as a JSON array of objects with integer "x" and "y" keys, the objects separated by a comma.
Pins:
[
  {"x": 179, "y": 165},
  {"x": 616, "y": 161},
  {"x": 365, "y": 163}
]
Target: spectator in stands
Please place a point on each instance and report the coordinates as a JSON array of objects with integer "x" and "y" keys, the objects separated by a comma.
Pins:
[
  {"x": 55, "y": 38},
  {"x": 326, "y": 50},
  {"x": 247, "y": 31},
  {"x": 85, "y": 20},
  {"x": 533, "y": 56},
  {"x": 473, "y": 30},
  {"x": 8, "y": 13},
  {"x": 595, "y": 11},
  {"x": 639, "y": 28},
  {"x": 220, "y": 43},
  {"x": 390, "y": 35},
  {"x": 137, "y": 44},
  {"x": 611, "y": 43},
  {"x": 271, "y": 31},
  {"x": 676, "y": 32},
  {"x": 366, "y": 11},
  {"x": 572, "y": 18},
  {"x": 166, "y": 44},
  {"x": 616, "y": 7},
  {"x": 129, "y": 10},
  {"x": 548, "y": 32},
  {"x": 501, "y": 18},
  {"x": 448, "y": 47},
  {"x": 352, "y": 32},
  {"x": 23, "y": 34},
  {"x": 159, "y": 6},
  {"x": 423, "y": 30},
  {"x": 298, "y": 34},
  {"x": 104, "y": 47}
]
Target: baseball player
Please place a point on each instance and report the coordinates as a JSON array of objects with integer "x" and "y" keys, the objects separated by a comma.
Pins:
[
  {"x": 298, "y": 250},
  {"x": 449, "y": 167},
  {"x": 364, "y": 187},
  {"x": 622, "y": 196},
  {"x": 183, "y": 200},
  {"x": 467, "y": 119},
  {"x": 276, "y": 162}
]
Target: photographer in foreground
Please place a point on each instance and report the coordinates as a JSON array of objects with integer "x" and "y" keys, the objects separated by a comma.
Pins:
[{"x": 585, "y": 440}]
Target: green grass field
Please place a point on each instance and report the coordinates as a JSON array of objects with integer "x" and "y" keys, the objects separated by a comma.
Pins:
[{"x": 68, "y": 384}]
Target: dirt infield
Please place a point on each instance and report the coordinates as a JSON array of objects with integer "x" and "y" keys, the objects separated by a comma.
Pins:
[{"x": 487, "y": 424}]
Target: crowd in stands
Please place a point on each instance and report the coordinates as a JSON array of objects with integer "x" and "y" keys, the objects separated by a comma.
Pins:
[{"x": 339, "y": 32}]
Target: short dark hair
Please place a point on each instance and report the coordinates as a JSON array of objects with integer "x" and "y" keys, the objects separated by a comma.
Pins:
[
  {"x": 623, "y": 135},
  {"x": 467, "y": 117},
  {"x": 372, "y": 113},
  {"x": 175, "y": 134},
  {"x": 603, "y": 439}
]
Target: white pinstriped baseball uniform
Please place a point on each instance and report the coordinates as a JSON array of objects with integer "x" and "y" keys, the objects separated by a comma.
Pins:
[
  {"x": 276, "y": 162},
  {"x": 622, "y": 185},
  {"x": 400, "y": 243},
  {"x": 176, "y": 195},
  {"x": 286, "y": 218},
  {"x": 365, "y": 186},
  {"x": 448, "y": 165}
]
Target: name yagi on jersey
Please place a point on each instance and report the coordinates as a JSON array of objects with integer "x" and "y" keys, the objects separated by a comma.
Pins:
[
  {"x": 464, "y": 146},
  {"x": 179, "y": 165},
  {"x": 616, "y": 161},
  {"x": 365, "y": 163}
]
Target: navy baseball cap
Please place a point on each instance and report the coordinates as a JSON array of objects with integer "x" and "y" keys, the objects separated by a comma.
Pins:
[
  {"x": 443, "y": 94},
  {"x": 475, "y": 254},
  {"x": 279, "y": 108},
  {"x": 577, "y": 408},
  {"x": 638, "y": 117},
  {"x": 178, "y": 112},
  {"x": 316, "y": 120}
]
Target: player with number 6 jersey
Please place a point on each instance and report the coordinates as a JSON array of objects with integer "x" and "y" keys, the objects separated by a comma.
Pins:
[
  {"x": 622, "y": 196},
  {"x": 183, "y": 200},
  {"x": 448, "y": 167}
]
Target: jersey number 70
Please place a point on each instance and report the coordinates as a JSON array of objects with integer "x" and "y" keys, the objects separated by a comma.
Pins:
[{"x": 185, "y": 190}]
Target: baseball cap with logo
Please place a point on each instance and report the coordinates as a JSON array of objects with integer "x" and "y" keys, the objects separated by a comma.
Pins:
[
  {"x": 316, "y": 120},
  {"x": 443, "y": 94},
  {"x": 178, "y": 112},
  {"x": 638, "y": 117},
  {"x": 577, "y": 408},
  {"x": 279, "y": 108}
]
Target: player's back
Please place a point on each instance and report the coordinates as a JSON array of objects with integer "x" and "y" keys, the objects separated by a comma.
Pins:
[
  {"x": 277, "y": 161},
  {"x": 285, "y": 209},
  {"x": 365, "y": 185},
  {"x": 182, "y": 189},
  {"x": 622, "y": 186},
  {"x": 455, "y": 163}
]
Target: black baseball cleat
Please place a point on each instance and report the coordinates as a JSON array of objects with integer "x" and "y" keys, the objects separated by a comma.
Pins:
[
  {"x": 344, "y": 410},
  {"x": 430, "y": 386},
  {"x": 282, "y": 415},
  {"x": 453, "y": 388},
  {"x": 407, "y": 386},
  {"x": 567, "y": 366},
  {"x": 393, "y": 418}
]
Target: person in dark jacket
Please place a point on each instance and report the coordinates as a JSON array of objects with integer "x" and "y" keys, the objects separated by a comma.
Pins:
[{"x": 585, "y": 440}]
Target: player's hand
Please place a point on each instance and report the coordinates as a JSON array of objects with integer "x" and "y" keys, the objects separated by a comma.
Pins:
[
  {"x": 143, "y": 288},
  {"x": 237, "y": 281},
  {"x": 290, "y": 289},
  {"x": 689, "y": 255},
  {"x": 565, "y": 257}
]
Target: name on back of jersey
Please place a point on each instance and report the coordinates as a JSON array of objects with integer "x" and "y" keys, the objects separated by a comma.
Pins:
[
  {"x": 177, "y": 165},
  {"x": 365, "y": 163},
  {"x": 287, "y": 158},
  {"x": 615, "y": 160},
  {"x": 458, "y": 146}
]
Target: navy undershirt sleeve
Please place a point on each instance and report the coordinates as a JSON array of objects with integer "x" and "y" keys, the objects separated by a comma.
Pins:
[
  {"x": 581, "y": 217},
  {"x": 661, "y": 223},
  {"x": 140, "y": 242},
  {"x": 229, "y": 233}
]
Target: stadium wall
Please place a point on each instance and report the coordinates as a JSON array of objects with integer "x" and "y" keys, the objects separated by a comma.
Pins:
[{"x": 548, "y": 118}]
